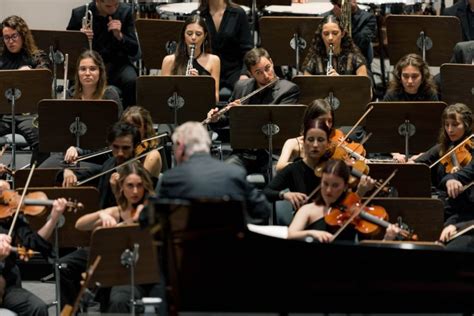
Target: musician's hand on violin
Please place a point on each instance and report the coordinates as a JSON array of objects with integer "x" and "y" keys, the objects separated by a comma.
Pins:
[
  {"x": 366, "y": 184},
  {"x": 295, "y": 198},
  {"x": 69, "y": 178},
  {"x": 89, "y": 33},
  {"x": 59, "y": 206},
  {"x": 213, "y": 116},
  {"x": 399, "y": 158},
  {"x": 321, "y": 236},
  {"x": 391, "y": 232},
  {"x": 447, "y": 233},
  {"x": 71, "y": 154},
  {"x": 5, "y": 246},
  {"x": 107, "y": 220},
  {"x": 115, "y": 26},
  {"x": 453, "y": 188}
]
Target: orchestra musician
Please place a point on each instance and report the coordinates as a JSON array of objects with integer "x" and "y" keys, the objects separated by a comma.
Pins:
[
  {"x": 113, "y": 37},
  {"x": 260, "y": 66},
  {"x": 456, "y": 126},
  {"x": 135, "y": 185},
  {"x": 194, "y": 32},
  {"x": 198, "y": 175},
  {"x": 347, "y": 58},
  {"x": 309, "y": 221},
  {"x": 229, "y": 30},
  {"x": 19, "y": 51},
  {"x": 463, "y": 9}
]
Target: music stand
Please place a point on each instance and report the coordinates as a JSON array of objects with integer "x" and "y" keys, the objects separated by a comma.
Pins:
[
  {"x": 424, "y": 215},
  {"x": 264, "y": 126},
  {"x": 403, "y": 126},
  {"x": 83, "y": 123},
  {"x": 411, "y": 180},
  {"x": 172, "y": 99},
  {"x": 22, "y": 90},
  {"x": 57, "y": 44},
  {"x": 432, "y": 37},
  {"x": 284, "y": 36},
  {"x": 339, "y": 92},
  {"x": 457, "y": 84},
  {"x": 158, "y": 38}
]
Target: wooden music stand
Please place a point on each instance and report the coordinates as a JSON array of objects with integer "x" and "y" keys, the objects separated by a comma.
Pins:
[
  {"x": 63, "y": 117},
  {"x": 457, "y": 84},
  {"x": 69, "y": 236},
  {"x": 339, "y": 92},
  {"x": 405, "y": 34},
  {"x": 72, "y": 43},
  {"x": 172, "y": 99},
  {"x": 411, "y": 180},
  {"x": 424, "y": 215},
  {"x": 279, "y": 35},
  {"x": 156, "y": 37},
  {"x": 110, "y": 243},
  {"x": 388, "y": 122}
]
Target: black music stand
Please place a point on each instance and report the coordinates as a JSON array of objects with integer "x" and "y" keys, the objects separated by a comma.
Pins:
[
  {"x": 83, "y": 123},
  {"x": 432, "y": 37},
  {"x": 339, "y": 92},
  {"x": 22, "y": 90},
  {"x": 158, "y": 38},
  {"x": 424, "y": 215},
  {"x": 403, "y": 126},
  {"x": 264, "y": 126},
  {"x": 172, "y": 99},
  {"x": 411, "y": 180},
  {"x": 457, "y": 84},
  {"x": 59, "y": 43},
  {"x": 284, "y": 36}
]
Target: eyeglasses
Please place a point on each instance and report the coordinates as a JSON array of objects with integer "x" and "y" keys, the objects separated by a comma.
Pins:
[{"x": 13, "y": 38}]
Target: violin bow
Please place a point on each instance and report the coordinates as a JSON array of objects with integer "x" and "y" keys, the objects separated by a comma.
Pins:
[
  {"x": 359, "y": 209},
  {"x": 23, "y": 194},
  {"x": 452, "y": 150},
  {"x": 116, "y": 167},
  {"x": 355, "y": 125}
]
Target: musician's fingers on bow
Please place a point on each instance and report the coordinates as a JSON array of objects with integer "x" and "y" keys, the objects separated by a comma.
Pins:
[
  {"x": 3, "y": 168},
  {"x": 447, "y": 233},
  {"x": 69, "y": 178},
  {"x": 71, "y": 154},
  {"x": 453, "y": 188},
  {"x": 212, "y": 115},
  {"x": 392, "y": 232}
]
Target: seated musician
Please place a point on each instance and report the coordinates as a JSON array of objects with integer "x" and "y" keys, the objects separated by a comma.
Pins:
[
  {"x": 260, "y": 66},
  {"x": 135, "y": 186},
  {"x": 411, "y": 81},
  {"x": 293, "y": 149},
  {"x": 123, "y": 139},
  {"x": 463, "y": 9},
  {"x": 309, "y": 221},
  {"x": 198, "y": 175},
  {"x": 19, "y": 51},
  {"x": 347, "y": 58},
  {"x": 12, "y": 296},
  {"x": 194, "y": 32},
  {"x": 456, "y": 124}
]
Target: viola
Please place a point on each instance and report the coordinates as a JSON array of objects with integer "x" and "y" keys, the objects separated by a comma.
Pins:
[
  {"x": 369, "y": 220},
  {"x": 459, "y": 158},
  {"x": 34, "y": 203}
]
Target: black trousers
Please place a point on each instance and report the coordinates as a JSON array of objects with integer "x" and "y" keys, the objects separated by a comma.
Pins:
[
  {"x": 23, "y": 302},
  {"x": 125, "y": 78}
]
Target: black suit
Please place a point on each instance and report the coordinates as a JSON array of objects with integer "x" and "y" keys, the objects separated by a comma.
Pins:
[
  {"x": 118, "y": 55},
  {"x": 282, "y": 92},
  {"x": 202, "y": 176},
  {"x": 463, "y": 53},
  {"x": 460, "y": 10}
]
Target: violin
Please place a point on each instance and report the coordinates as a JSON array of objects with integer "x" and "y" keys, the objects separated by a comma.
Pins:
[
  {"x": 459, "y": 158},
  {"x": 351, "y": 149},
  {"x": 34, "y": 203},
  {"x": 369, "y": 220}
]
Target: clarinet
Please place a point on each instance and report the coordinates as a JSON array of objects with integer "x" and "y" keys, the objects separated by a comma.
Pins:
[
  {"x": 330, "y": 55},
  {"x": 192, "y": 47}
]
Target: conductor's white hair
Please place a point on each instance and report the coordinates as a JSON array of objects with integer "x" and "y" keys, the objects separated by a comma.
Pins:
[{"x": 194, "y": 137}]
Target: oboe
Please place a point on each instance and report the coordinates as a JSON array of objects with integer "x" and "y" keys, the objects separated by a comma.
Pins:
[
  {"x": 330, "y": 55},
  {"x": 192, "y": 47}
]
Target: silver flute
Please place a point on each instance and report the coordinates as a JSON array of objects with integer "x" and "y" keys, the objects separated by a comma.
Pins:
[
  {"x": 330, "y": 55},
  {"x": 192, "y": 48}
]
